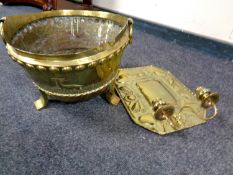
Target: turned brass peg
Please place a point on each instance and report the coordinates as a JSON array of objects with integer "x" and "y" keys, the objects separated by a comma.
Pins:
[
  {"x": 207, "y": 97},
  {"x": 162, "y": 110}
]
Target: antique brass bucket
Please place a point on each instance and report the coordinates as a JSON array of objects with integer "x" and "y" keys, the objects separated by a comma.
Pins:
[{"x": 70, "y": 55}]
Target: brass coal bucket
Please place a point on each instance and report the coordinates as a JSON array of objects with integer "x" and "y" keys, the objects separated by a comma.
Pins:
[{"x": 69, "y": 54}]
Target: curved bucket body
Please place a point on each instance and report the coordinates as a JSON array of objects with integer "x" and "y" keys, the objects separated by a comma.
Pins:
[{"x": 70, "y": 55}]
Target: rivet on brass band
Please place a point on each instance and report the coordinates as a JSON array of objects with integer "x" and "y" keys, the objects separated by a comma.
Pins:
[
  {"x": 92, "y": 64},
  {"x": 80, "y": 67},
  {"x": 54, "y": 69},
  {"x": 30, "y": 66},
  {"x": 110, "y": 56},
  {"x": 101, "y": 61},
  {"x": 67, "y": 69},
  {"x": 42, "y": 68}
]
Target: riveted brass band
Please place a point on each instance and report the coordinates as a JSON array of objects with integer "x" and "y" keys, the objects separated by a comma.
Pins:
[
  {"x": 66, "y": 68},
  {"x": 95, "y": 56}
]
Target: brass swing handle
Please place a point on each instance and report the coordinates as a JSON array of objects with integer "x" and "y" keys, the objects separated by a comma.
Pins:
[
  {"x": 208, "y": 100},
  {"x": 2, "y": 20},
  {"x": 130, "y": 24}
]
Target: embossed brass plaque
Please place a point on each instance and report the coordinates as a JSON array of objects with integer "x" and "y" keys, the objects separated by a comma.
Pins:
[{"x": 159, "y": 102}]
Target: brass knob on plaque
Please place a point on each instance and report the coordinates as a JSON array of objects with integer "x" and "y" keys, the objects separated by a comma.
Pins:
[
  {"x": 208, "y": 99},
  {"x": 162, "y": 110}
]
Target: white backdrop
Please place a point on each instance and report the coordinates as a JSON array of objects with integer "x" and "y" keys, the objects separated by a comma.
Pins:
[{"x": 209, "y": 18}]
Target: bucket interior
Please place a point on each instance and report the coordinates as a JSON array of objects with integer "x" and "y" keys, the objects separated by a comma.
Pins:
[{"x": 65, "y": 34}]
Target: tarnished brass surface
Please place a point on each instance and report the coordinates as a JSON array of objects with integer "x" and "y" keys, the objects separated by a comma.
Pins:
[
  {"x": 157, "y": 101},
  {"x": 68, "y": 76}
]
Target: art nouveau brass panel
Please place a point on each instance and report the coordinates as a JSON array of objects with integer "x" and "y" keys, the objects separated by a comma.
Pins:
[{"x": 159, "y": 102}]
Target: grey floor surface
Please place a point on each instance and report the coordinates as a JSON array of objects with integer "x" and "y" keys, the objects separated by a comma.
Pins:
[{"x": 94, "y": 137}]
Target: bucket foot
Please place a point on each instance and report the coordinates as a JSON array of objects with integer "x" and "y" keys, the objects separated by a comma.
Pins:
[
  {"x": 42, "y": 101},
  {"x": 111, "y": 95}
]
